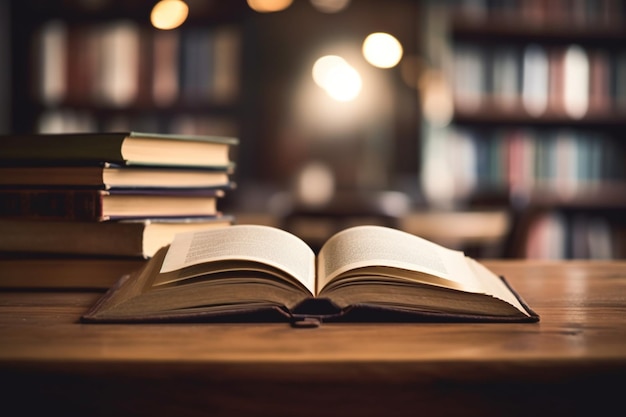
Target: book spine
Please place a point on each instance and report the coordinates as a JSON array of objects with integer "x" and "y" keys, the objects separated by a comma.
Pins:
[{"x": 84, "y": 205}]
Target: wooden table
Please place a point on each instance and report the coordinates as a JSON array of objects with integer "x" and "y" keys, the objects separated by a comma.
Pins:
[{"x": 571, "y": 363}]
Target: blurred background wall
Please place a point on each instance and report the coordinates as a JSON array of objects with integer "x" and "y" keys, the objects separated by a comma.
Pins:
[{"x": 489, "y": 125}]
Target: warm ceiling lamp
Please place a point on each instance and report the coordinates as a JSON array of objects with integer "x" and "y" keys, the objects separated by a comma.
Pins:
[
  {"x": 382, "y": 50},
  {"x": 338, "y": 78},
  {"x": 268, "y": 6},
  {"x": 169, "y": 14}
]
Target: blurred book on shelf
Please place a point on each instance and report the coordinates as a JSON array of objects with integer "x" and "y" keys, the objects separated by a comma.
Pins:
[{"x": 539, "y": 93}]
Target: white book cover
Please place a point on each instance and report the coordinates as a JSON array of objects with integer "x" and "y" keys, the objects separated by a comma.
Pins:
[
  {"x": 52, "y": 54},
  {"x": 576, "y": 82},
  {"x": 535, "y": 80},
  {"x": 119, "y": 63}
]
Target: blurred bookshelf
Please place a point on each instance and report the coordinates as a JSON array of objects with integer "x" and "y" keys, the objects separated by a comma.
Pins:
[
  {"x": 85, "y": 65},
  {"x": 538, "y": 110},
  {"x": 5, "y": 70},
  {"x": 101, "y": 66},
  {"x": 226, "y": 70},
  {"x": 529, "y": 107}
]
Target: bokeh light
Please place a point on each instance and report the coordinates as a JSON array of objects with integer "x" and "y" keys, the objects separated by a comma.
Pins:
[
  {"x": 382, "y": 50},
  {"x": 269, "y": 6},
  {"x": 169, "y": 14},
  {"x": 315, "y": 184},
  {"x": 338, "y": 78}
]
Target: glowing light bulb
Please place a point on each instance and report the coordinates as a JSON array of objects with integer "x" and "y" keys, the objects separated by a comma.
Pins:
[
  {"x": 340, "y": 80},
  {"x": 382, "y": 50},
  {"x": 269, "y": 6},
  {"x": 323, "y": 68},
  {"x": 169, "y": 14}
]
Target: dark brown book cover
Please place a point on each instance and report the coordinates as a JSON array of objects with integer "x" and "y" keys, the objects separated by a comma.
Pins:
[
  {"x": 52, "y": 204},
  {"x": 311, "y": 312},
  {"x": 138, "y": 238},
  {"x": 90, "y": 205},
  {"x": 122, "y": 148}
]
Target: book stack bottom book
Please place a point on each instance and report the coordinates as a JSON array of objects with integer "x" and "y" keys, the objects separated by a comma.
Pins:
[{"x": 82, "y": 254}]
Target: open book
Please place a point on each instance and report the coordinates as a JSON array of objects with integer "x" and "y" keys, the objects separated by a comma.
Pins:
[{"x": 251, "y": 272}]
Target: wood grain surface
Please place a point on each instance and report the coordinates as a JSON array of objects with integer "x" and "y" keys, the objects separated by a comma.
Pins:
[{"x": 573, "y": 362}]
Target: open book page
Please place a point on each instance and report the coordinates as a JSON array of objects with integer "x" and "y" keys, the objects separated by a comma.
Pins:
[
  {"x": 253, "y": 243},
  {"x": 493, "y": 285},
  {"x": 375, "y": 246}
]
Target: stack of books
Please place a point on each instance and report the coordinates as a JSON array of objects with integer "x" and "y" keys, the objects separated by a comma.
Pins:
[{"x": 84, "y": 209}]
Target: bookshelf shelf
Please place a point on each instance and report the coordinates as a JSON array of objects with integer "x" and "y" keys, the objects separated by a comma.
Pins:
[
  {"x": 491, "y": 112},
  {"x": 76, "y": 11},
  {"x": 539, "y": 97},
  {"x": 186, "y": 106},
  {"x": 593, "y": 196},
  {"x": 498, "y": 29},
  {"x": 104, "y": 67}
]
